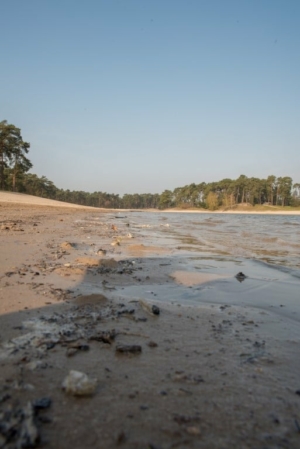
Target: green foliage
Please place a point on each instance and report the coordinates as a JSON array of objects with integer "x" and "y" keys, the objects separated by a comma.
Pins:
[
  {"x": 212, "y": 201},
  {"x": 227, "y": 193},
  {"x": 165, "y": 200},
  {"x": 13, "y": 160}
]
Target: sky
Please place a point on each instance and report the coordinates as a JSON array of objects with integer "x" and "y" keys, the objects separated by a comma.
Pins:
[{"x": 139, "y": 96}]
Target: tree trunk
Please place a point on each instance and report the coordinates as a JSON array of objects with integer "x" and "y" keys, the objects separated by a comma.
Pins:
[
  {"x": 14, "y": 175},
  {"x": 2, "y": 169}
]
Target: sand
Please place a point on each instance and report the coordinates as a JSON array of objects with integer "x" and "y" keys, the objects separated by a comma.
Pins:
[{"x": 206, "y": 376}]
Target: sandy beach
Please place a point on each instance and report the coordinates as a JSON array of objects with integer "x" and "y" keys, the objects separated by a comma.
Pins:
[{"x": 160, "y": 374}]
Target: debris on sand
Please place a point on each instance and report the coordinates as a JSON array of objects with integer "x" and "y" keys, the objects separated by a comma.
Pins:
[
  {"x": 87, "y": 261},
  {"x": 128, "y": 349},
  {"x": 79, "y": 384},
  {"x": 42, "y": 403},
  {"x": 67, "y": 245},
  {"x": 18, "y": 426},
  {"x": 104, "y": 336},
  {"x": 73, "y": 348},
  {"x": 149, "y": 308}
]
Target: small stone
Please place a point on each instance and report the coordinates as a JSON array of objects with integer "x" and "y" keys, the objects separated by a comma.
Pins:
[
  {"x": 36, "y": 364},
  {"x": 155, "y": 310},
  {"x": 4, "y": 397},
  {"x": 193, "y": 430},
  {"x": 150, "y": 308},
  {"x": 240, "y": 276},
  {"x": 79, "y": 384},
  {"x": 42, "y": 403},
  {"x": 101, "y": 252},
  {"x": 71, "y": 352},
  {"x": 45, "y": 419},
  {"x": 67, "y": 245},
  {"x": 128, "y": 349},
  {"x": 121, "y": 438}
]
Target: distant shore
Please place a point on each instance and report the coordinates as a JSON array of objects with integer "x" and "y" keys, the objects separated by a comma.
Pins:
[
  {"x": 234, "y": 211},
  {"x": 21, "y": 198}
]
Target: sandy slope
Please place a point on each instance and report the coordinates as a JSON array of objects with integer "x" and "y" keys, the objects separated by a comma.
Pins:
[{"x": 21, "y": 198}]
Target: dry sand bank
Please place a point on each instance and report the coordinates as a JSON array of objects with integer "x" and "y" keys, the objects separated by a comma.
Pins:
[
  {"x": 233, "y": 211},
  {"x": 214, "y": 376},
  {"x": 20, "y": 198}
]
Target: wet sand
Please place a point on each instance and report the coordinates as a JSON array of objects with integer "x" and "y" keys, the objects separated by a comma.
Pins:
[{"x": 219, "y": 374}]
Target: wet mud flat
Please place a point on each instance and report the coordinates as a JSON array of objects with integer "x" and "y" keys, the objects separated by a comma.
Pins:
[{"x": 212, "y": 375}]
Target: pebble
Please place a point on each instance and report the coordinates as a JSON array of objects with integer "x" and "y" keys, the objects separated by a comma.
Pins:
[
  {"x": 240, "y": 276},
  {"x": 79, "y": 384},
  {"x": 128, "y": 349},
  {"x": 42, "y": 403},
  {"x": 193, "y": 431},
  {"x": 149, "y": 308}
]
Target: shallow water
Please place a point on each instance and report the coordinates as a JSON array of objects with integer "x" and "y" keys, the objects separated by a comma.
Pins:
[
  {"x": 265, "y": 247},
  {"x": 273, "y": 239}
]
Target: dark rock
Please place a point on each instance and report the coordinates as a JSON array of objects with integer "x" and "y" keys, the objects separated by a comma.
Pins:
[
  {"x": 128, "y": 349},
  {"x": 105, "y": 336},
  {"x": 121, "y": 438},
  {"x": 155, "y": 310},
  {"x": 126, "y": 311},
  {"x": 184, "y": 419},
  {"x": 4, "y": 397},
  {"x": 45, "y": 419},
  {"x": 42, "y": 403},
  {"x": 240, "y": 276},
  {"x": 144, "y": 407}
]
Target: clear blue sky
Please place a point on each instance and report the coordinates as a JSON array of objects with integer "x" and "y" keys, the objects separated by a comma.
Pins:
[{"x": 128, "y": 96}]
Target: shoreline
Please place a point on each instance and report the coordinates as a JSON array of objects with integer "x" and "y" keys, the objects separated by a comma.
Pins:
[
  {"x": 235, "y": 212},
  {"x": 212, "y": 375}
]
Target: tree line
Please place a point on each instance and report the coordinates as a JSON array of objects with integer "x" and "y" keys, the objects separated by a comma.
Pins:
[{"x": 227, "y": 193}]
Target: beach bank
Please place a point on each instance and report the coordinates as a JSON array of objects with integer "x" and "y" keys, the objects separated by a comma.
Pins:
[{"x": 219, "y": 374}]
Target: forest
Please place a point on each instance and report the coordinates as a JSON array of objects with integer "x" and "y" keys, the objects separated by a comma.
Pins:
[{"x": 15, "y": 176}]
